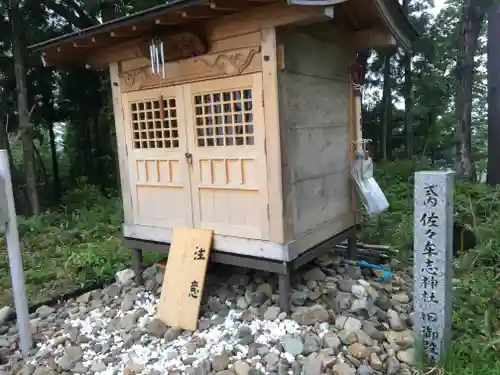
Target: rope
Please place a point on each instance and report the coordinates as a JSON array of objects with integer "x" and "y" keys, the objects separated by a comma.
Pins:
[{"x": 357, "y": 86}]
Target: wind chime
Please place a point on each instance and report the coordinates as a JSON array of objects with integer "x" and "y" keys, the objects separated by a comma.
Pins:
[{"x": 157, "y": 55}]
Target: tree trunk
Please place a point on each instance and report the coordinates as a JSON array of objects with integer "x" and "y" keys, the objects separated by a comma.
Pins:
[
  {"x": 470, "y": 27},
  {"x": 40, "y": 162},
  {"x": 25, "y": 126},
  {"x": 493, "y": 66},
  {"x": 55, "y": 163},
  {"x": 408, "y": 93},
  {"x": 20, "y": 196},
  {"x": 90, "y": 171},
  {"x": 386, "y": 107},
  {"x": 108, "y": 13}
]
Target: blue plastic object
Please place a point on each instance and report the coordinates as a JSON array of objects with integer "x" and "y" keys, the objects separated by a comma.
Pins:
[{"x": 362, "y": 263}]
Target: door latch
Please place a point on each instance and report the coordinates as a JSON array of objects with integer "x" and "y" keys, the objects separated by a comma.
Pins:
[{"x": 189, "y": 158}]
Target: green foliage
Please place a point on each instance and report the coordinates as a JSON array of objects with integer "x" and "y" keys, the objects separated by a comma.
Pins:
[
  {"x": 476, "y": 294},
  {"x": 76, "y": 246}
]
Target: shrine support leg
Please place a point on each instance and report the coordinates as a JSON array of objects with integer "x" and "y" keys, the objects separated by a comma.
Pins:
[
  {"x": 352, "y": 251},
  {"x": 285, "y": 289},
  {"x": 137, "y": 261}
]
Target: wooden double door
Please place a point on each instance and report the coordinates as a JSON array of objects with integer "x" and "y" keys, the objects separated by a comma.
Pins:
[{"x": 196, "y": 156}]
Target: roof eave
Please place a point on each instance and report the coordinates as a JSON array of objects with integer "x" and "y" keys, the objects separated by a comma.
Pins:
[
  {"x": 110, "y": 25},
  {"x": 397, "y": 22}
]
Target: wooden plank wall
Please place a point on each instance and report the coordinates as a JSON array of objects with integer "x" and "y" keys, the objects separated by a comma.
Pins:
[{"x": 314, "y": 104}]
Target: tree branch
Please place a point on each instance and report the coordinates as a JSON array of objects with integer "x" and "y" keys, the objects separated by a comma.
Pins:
[{"x": 79, "y": 19}]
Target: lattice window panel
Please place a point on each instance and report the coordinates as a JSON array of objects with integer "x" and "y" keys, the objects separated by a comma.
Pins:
[
  {"x": 224, "y": 118},
  {"x": 155, "y": 125}
]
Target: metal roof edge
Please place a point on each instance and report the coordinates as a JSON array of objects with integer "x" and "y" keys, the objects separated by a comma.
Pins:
[{"x": 108, "y": 26}]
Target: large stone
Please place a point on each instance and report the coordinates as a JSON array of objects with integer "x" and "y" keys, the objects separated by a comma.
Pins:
[
  {"x": 403, "y": 339},
  {"x": 241, "y": 368},
  {"x": 407, "y": 356},
  {"x": 265, "y": 289},
  {"x": 359, "y": 291},
  {"x": 292, "y": 345},
  {"x": 172, "y": 333},
  {"x": 310, "y": 315},
  {"x": 392, "y": 366},
  {"x": 371, "y": 330},
  {"x": 6, "y": 313},
  {"x": 98, "y": 366},
  {"x": 312, "y": 343},
  {"x": 314, "y": 274},
  {"x": 134, "y": 368},
  {"x": 128, "y": 302},
  {"x": 331, "y": 341},
  {"x": 343, "y": 369},
  {"x": 364, "y": 339},
  {"x": 225, "y": 372},
  {"x": 220, "y": 362},
  {"x": 156, "y": 328},
  {"x": 364, "y": 370},
  {"x": 348, "y": 337},
  {"x": 313, "y": 365},
  {"x": 375, "y": 362},
  {"x": 348, "y": 323},
  {"x": 299, "y": 297},
  {"x": 241, "y": 303},
  {"x": 401, "y": 298},
  {"x": 346, "y": 285},
  {"x": 72, "y": 355},
  {"x": 271, "y": 359},
  {"x": 44, "y": 311},
  {"x": 343, "y": 300},
  {"x": 125, "y": 277},
  {"x": 358, "y": 350},
  {"x": 395, "y": 321},
  {"x": 272, "y": 313}
]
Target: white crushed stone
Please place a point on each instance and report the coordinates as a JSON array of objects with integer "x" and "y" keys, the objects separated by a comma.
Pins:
[{"x": 218, "y": 338}]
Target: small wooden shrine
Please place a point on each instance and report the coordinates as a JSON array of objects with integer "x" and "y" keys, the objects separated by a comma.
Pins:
[{"x": 236, "y": 116}]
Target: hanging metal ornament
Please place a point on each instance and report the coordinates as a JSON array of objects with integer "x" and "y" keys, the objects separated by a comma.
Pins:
[{"x": 157, "y": 57}]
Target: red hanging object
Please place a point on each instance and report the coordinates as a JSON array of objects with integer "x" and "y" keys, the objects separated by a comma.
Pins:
[
  {"x": 356, "y": 73},
  {"x": 356, "y": 79}
]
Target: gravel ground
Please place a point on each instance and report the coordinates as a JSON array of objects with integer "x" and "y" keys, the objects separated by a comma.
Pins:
[{"x": 343, "y": 322}]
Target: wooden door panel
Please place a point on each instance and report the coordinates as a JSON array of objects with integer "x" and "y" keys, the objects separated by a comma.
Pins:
[
  {"x": 226, "y": 134},
  {"x": 160, "y": 187}
]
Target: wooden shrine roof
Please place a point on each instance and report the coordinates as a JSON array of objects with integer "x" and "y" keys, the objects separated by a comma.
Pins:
[{"x": 176, "y": 15}]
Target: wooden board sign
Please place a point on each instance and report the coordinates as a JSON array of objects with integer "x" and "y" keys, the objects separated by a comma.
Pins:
[
  {"x": 184, "y": 278},
  {"x": 178, "y": 46}
]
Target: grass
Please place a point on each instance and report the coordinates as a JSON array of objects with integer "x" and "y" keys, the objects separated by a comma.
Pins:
[
  {"x": 77, "y": 246},
  {"x": 80, "y": 245}
]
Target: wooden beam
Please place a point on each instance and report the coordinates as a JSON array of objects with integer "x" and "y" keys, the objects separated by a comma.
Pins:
[
  {"x": 201, "y": 12},
  {"x": 371, "y": 38},
  {"x": 229, "y": 5}
]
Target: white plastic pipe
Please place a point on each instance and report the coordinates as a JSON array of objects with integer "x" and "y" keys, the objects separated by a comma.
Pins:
[{"x": 15, "y": 260}]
